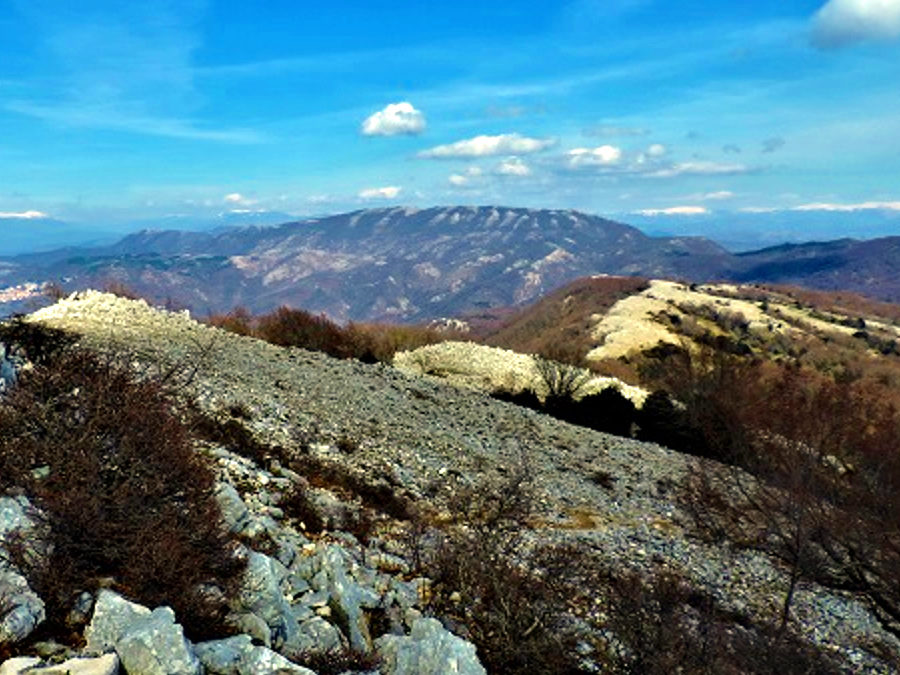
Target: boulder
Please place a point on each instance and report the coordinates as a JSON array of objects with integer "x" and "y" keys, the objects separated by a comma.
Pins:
[
  {"x": 331, "y": 572},
  {"x": 429, "y": 649},
  {"x": 155, "y": 645},
  {"x": 149, "y": 643},
  {"x": 239, "y": 656},
  {"x": 113, "y": 614},
  {"x": 23, "y": 610},
  {"x": 261, "y": 595},
  {"x": 317, "y": 636},
  {"x": 9, "y": 368}
]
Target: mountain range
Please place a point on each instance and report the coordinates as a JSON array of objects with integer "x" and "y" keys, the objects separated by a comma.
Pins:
[{"x": 416, "y": 264}]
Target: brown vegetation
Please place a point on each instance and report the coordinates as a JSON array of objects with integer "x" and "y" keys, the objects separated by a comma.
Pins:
[
  {"x": 823, "y": 455},
  {"x": 122, "y": 496},
  {"x": 564, "y": 317},
  {"x": 369, "y": 342},
  {"x": 558, "y": 609}
]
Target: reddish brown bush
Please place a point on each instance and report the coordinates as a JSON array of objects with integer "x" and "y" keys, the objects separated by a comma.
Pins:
[
  {"x": 564, "y": 316},
  {"x": 122, "y": 493},
  {"x": 239, "y": 320},
  {"x": 823, "y": 456}
]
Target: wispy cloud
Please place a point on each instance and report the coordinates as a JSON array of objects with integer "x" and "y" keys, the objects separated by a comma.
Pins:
[
  {"x": 718, "y": 195},
  {"x": 101, "y": 116},
  {"x": 845, "y": 208},
  {"x": 122, "y": 66},
  {"x": 23, "y": 215},
  {"x": 842, "y": 22},
  {"x": 487, "y": 146},
  {"x": 675, "y": 211},
  {"x": 698, "y": 168},
  {"x": 615, "y": 131}
]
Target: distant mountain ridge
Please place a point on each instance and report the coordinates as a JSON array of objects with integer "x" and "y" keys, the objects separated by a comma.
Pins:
[{"x": 414, "y": 264}]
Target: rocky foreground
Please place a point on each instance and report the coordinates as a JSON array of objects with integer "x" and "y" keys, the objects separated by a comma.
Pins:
[{"x": 420, "y": 440}]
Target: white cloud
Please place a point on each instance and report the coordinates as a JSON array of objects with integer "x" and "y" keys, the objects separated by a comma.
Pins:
[
  {"x": 513, "y": 166},
  {"x": 675, "y": 211},
  {"x": 387, "y": 192},
  {"x": 393, "y": 120},
  {"x": 24, "y": 215},
  {"x": 239, "y": 199},
  {"x": 758, "y": 209},
  {"x": 604, "y": 155},
  {"x": 657, "y": 150},
  {"x": 466, "y": 179},
  {"x": 611, "y": 130},
  {"x": 843, "y": 22},
  {"x": 487, "y": 146},
  {"x": 713, "y": 196},
  {"x": 700, "y": 168},
  {"x": 844, "y": 208}
]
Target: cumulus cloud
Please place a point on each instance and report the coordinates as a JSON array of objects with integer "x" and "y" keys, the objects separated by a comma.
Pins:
[
  {"x": 842, "y": 22},
  {"x": 773, "y": 144},
  {"x": 395, "y": 119},
  {"x": 698, "y": 168},
  {"x": 466, "y": 178},
  {"x": 675, "y": 211},
  {"x": 657, "y": 150},
  {"x": 862, "y": 206},
  {"x": 387, "y": 192},
  {"x": 513, "y": 166},
  {"x": 604, "y": 155},
  {"x": 487, "y": 146},
  {"x": 238, "y": 199},
  {"x": 24, "y": 215}
]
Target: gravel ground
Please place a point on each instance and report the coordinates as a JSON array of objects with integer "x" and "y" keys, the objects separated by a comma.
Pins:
[{"x": 426, "y": 438}]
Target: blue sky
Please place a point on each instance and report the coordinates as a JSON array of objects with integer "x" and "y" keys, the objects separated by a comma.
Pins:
[{"x": 117, "y": 111}]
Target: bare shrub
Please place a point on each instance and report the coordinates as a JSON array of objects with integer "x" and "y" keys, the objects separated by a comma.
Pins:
[
  {"x": 561, "y": 371},
  {"x": 659, "y": 624},
  {"x": 823, "y": 488},
  {"x": 557, "y": 608},
  {"x": 121, "y": 491},
  {"x": 488, "y": 584}
]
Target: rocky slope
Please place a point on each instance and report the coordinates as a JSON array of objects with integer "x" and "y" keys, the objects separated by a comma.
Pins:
[{"x": 423, "y": 440}]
